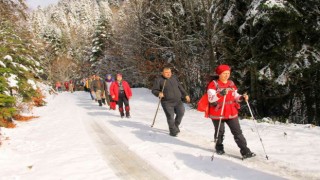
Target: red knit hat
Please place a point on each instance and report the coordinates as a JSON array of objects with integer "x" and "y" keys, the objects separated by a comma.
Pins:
[
  {"x": 221, "y": 68},
  {"x": 119, "y": 75}
]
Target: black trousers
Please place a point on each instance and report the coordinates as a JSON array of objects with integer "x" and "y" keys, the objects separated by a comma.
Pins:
[
  {"x": 235, "y": 130},
  {"x": 123, "y": 100},
  {"x": 174, "y": 112}
]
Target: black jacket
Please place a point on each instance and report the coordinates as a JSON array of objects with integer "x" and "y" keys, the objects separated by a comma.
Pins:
[{"x": 173, "y": 90}]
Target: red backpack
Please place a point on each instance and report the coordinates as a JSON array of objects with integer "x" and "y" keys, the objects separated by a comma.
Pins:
[{"x": 203, "y": 105}]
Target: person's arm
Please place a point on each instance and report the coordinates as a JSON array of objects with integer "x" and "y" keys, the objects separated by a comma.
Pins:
[
  {"x": 240, "y": 97},
  {"x": 156, "y": 88},
  {"x": 128, "y": 89},
  {"x": 183, "y": 91},
  {"x": 212, "y": 93},
  {"x": 111, "y": 90}
]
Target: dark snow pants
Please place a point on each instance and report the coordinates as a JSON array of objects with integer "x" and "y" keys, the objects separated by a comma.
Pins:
[
  {"x": 171, "y": 109},
  {"x": 235, "y": 130},
  {"x": 123, "y": 100}
]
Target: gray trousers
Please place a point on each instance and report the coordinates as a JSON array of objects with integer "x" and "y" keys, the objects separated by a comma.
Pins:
[{"x": 174, "y": 112}]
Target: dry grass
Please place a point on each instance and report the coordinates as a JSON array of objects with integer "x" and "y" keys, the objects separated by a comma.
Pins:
[
  {"x": 23, "y": 118},
  {"x": 7, "y": 124}
]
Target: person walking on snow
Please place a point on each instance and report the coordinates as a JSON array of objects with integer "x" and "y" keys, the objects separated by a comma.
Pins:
[
  {"x": 66, "y": 85},
  {"x": 88, "y": 85},
  {"x": 223, "y": 92},
  {"x": 71, "y": 86},
  {"x": 110, "y": 101},
  {"x": 98, "y": 87},
  {"x": 58, "y": 86},
  {"x": 120, "y": 91},
  {"x": 171, "y": 99}
]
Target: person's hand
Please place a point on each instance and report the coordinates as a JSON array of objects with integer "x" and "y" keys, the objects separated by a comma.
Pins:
[
  {"x": 161, "y": 95},
  {"x": 187, "y": 99},
  {"x": 113, "y": 96},
  {"x": 245, "y": 96},
  {"x": 223, "y": 92}
]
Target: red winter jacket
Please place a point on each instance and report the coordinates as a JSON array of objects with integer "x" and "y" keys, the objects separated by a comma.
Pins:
[
  {"x": 114, "y": 90},
  {"x": 216, "y": 100}
]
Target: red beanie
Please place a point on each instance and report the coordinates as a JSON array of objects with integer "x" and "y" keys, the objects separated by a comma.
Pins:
[
  {"x": 221, "y": 68},
  {"x": 119, "y": 74}
]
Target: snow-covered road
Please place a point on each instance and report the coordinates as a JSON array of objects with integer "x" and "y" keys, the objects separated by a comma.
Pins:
[{"x": 74, "y": 138}]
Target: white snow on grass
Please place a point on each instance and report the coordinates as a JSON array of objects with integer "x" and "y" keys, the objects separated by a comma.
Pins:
[
  {"x": 2, "y": 64},
  {"x": 64, "y": 143},
  {"x": 8, "y": 57},
  {"x": 32, "y": 83},
  {"x": 23, "y": 67},
  {"x": 12, "y": 80}
]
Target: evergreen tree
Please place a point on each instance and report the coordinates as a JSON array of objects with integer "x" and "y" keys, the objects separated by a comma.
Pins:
[{"x": 101, "y": 39}]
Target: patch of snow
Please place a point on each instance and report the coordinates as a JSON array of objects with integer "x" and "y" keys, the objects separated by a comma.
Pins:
[
  {"x": 32, "y": 83},
  {"x": 282, "y": 79},
  {"x": 229, "y": 16},
  {"x": 12, "y": 80},
  {"x": 2, "y": 64},
  {"x": 254, "y": 8},
  {"x": 24, "y": 67},
  {"x": 265, "y": 72},
  {"x": 8, "y": 57},
  {"x": 275, "y": 3}
]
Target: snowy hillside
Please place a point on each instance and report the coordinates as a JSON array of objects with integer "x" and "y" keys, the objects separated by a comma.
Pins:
[{"x": 74, "y": 138}]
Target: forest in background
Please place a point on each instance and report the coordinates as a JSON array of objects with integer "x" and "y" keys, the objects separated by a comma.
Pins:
[{"x": 271, "y": 45}]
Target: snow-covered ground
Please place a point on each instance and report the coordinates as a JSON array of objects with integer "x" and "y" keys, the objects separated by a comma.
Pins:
[{"x": 74, "y": 138}]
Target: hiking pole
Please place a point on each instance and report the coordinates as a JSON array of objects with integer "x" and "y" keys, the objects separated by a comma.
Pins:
[
  {"x": 257, "y": 130},
  {"x": 215, "y": 138},
  {"x": 154, "y": 119}
]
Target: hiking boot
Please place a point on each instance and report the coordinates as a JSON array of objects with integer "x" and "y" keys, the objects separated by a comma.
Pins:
[
  {"x": 173, "y": 131},
  {"x": 121, "y": 114},
  {"x": 128, "y": 114},
  {"x": 247, "y": 154},
  {"x": 178, "y": 130},
  {"x": 174, "y": 134},
  {"x": 103, "y": 101},
  {"x": 220, "y": 151}
]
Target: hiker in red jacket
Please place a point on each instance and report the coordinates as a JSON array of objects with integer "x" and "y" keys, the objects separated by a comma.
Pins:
[
  {"x": 223, "y": 95},
  {"x": 66, "y": 85},
  {"x": 120, "y": 91}
]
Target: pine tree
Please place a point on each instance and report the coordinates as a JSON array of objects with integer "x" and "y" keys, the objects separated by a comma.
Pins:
[{"x": 101, "y": 39}]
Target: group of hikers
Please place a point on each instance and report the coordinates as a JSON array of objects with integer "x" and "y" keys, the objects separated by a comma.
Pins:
[
  {"x": 220, "y": 102},
  {"x": 68, "y": 86},
  {"x": 110, "y": 91}
]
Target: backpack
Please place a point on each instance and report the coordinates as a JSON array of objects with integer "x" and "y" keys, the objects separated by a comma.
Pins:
[{"x": 203, "y": 103}]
